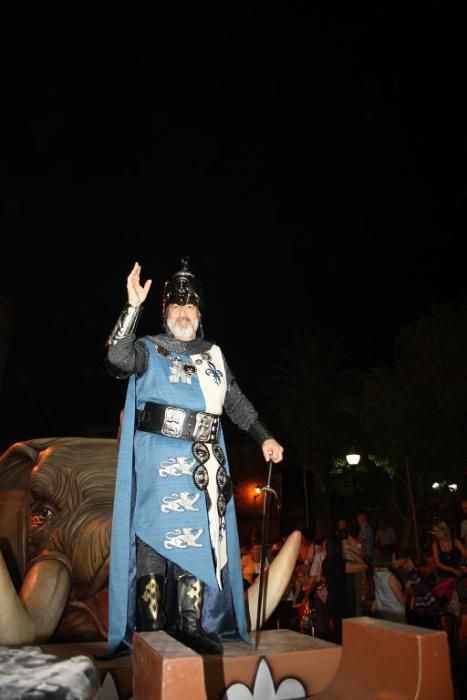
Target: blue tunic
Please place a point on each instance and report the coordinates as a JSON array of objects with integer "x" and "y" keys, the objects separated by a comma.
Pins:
[{"x": 156, "y": 497}]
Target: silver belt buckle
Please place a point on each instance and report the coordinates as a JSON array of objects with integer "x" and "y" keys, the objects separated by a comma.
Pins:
[
  {"x": 174, "y": 419},
  {"x": 203, "y": 425}
]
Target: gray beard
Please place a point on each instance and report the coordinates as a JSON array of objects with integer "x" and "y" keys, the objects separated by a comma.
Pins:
[{"x": 185, "y": 332}]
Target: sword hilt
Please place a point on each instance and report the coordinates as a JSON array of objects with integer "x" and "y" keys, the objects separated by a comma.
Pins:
[{"x": 268, "y": 489}]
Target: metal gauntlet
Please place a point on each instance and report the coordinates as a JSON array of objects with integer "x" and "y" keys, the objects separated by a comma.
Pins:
[{"x": 126, "y": 323}]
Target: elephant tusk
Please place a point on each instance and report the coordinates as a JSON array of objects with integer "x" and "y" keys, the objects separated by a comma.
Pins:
[
  {"x": 16, "y": 627},
  {"x": 278, "y": 576},
  {"x": 34, "y": 615}
]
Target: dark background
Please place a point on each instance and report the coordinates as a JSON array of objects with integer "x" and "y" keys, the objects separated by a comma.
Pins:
[{"x": 313, "y": 168}]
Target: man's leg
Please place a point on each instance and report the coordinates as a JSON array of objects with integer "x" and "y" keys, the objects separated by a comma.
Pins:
[
  {"x": 190, "y": 599},
  {"x": 150, "y": 588}
]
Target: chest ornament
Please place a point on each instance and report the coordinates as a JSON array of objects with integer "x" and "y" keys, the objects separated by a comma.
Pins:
[
  {"x": 181, "y": 371},
  {"x": 161, "y": 351},
  {"x": 204, "y": 356}
]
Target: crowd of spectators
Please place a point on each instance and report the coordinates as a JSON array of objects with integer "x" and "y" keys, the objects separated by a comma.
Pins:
[{"x": 357, "y": 570}]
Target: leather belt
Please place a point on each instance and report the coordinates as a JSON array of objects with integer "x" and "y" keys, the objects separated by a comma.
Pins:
[{"x": 178, "y": 422}]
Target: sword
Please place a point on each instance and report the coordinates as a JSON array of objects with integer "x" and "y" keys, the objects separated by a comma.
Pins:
[{"x": 262, "y": 589}]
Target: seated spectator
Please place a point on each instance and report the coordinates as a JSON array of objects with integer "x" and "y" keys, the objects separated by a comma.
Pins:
[
  {"x": 307, "y": 549},
  {"x": 422, "y": 606},
  {"x": 300, "y": 597},
  {"x": 275, "y": 549},
  {"x": 389, "y": 601},
  {"x": 448, "y": 553},
  {"x": 251, "y": 564},
  {"x": 301, "y": 585}
]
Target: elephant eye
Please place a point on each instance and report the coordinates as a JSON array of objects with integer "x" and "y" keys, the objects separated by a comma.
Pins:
[{"x": 44, "y": 511}]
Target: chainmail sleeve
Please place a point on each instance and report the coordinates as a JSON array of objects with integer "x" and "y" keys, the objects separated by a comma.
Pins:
[
  {"x": 242, "y": 412},
  {"x": 127, "y": 356}
]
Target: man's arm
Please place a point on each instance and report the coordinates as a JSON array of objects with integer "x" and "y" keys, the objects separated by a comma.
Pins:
[{"x": 125, "y": 355}]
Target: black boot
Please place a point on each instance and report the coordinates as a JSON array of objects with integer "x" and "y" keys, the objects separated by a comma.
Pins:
[
  {"x": 190, "y": 604},
  {"x": 150, "y": 615}
]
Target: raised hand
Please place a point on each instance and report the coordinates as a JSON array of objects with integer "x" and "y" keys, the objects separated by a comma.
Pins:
[{"x": 136, "y": 292}]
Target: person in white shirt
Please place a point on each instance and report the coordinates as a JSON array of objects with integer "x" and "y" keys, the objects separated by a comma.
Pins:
[{"x": 389, "y": 601}]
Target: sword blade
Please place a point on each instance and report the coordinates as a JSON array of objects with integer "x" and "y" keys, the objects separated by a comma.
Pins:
[{"x": 262, "y": 589}]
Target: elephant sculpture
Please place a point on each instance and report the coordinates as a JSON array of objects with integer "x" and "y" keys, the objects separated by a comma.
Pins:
[
  {"x": 56, "y": 500},
  {"x": 56, "y": 497}
]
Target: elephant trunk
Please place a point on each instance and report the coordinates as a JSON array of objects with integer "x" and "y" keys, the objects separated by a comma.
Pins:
[{"x": 34, "y": 615}]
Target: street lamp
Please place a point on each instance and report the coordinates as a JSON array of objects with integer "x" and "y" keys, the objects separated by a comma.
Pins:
[
  {"x": 436, "y": 485},
  {"x": 353, "y": 459}
]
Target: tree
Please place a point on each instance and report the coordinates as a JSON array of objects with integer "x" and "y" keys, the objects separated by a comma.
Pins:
[
  {"x": 414, "y": 415},
  {"x": 311, "y": 386}
]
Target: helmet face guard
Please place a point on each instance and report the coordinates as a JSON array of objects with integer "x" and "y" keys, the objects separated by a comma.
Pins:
[{"x": 182, "y": 288}]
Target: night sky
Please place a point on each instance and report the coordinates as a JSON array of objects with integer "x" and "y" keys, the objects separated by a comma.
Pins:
[{"x": 314, "y": 173}]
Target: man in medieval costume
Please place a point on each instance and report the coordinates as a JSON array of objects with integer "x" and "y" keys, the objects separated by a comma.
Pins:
[{"x": 175, "y": 557}]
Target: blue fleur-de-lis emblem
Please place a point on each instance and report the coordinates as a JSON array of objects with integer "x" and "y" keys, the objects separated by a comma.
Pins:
[{"x": 213, "y": 372}]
